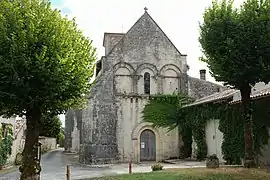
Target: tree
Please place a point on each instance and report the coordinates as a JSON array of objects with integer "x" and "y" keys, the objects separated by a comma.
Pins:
[
  {"x": 61, "y": 137},
  {"x": 164, "y": 111},
  {"x": 51, "y": 126},
  {"x": 236, "y": 44},
  {"x": 45, "y": 66}
]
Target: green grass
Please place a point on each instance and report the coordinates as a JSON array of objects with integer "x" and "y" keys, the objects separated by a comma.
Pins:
[{"x": 196, "y": 174}]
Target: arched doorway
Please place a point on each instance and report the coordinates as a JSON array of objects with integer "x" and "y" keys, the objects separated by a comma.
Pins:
[{"x": 148, "y": 146}]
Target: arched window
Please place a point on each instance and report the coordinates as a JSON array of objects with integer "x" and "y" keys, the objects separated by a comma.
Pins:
[{"x": 146, "y": 83}]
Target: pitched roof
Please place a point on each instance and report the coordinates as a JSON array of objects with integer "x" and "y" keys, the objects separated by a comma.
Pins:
[
  {"x": 259, "y": 94},
  {"x": 143, "y": 17},
  {"x": 262, "y": 92},
  {"x": 199, "y": 88},
  {"x": 215, "y": 97}
]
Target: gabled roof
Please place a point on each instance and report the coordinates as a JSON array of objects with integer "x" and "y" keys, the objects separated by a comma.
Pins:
[{"x": 146, "y": 16}]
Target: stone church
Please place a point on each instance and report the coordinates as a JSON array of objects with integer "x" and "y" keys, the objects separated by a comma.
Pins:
[{"x": 136, "y": 64}]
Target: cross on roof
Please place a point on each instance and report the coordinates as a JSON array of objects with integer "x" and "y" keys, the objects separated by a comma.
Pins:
[{"x": 145, "y": 8}]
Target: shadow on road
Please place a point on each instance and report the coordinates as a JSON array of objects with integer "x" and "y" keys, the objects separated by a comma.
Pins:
[{"x": 53, "y": 166}]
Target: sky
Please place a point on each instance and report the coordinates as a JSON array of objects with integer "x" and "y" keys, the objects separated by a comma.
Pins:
[{"x": 179, "y": 19}]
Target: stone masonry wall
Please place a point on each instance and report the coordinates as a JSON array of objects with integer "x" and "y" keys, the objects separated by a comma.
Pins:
[
  {"x": 99, "y": 121},
  {"x": 111, "y": 124},
  {"x": 130, "y": 125},
  {"x": 73, "y": 126}
]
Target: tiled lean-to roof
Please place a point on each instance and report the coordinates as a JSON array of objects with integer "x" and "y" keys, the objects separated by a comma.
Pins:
[
  {"x": 218, "y": 96},
  {"x": 257, "y": 93}
]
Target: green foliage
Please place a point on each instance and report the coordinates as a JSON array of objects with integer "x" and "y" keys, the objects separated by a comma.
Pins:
[
  {"x": 159, "y": 112},
  {"x": 61, "y": 137},
  {"x": 236, "y": 46},
  {"x": 45, "y": 61},
  {"x": 46, "y": 64},
  {"x": 231, "y": 125},
  {"x": 156, "y": 167},
  {"x": 5, "y": 145},
  {"x": 196, "y": 118},
  {"x": 186, "y": 133},
  {"x": 236, "y": 42},
  {"x": 51, "y": 127},
  {"x": 192, "y": 121},
  {"x": 162, "y": 110}
]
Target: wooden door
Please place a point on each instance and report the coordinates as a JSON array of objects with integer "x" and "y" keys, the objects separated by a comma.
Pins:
[{"x": 148, "y": 146}]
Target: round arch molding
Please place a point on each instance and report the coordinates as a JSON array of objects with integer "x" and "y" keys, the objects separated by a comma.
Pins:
[
  {"x": 136, "y": 133},
  {"x": 170, "y": 67},
  {"x": 124, "y": 65},
  {"x": 143, "y": 66}
]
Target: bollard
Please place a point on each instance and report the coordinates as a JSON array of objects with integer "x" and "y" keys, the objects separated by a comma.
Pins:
[
  {"x": 129, "y": 167},
  {"x": 68, "y": 172}
]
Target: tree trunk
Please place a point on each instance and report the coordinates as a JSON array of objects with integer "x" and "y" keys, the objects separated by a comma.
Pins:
[
  {"x": 30, "y": 168},
  {"x": 249, "y": 160}
]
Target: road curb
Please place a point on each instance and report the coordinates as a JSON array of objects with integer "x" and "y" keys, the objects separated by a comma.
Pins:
[{"x": 8, "y": 169}]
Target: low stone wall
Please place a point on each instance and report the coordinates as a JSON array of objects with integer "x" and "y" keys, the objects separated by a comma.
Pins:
[{"x": 48, "y": 143}]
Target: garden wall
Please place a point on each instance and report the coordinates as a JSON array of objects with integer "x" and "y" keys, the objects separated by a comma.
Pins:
[{"x": 48, "y": 143}]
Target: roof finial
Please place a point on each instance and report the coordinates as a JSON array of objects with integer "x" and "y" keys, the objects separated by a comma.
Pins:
[{"x": 145, "y": 9}]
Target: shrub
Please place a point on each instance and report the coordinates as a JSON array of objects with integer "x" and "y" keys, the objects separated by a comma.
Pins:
[
  {"x": 157, "y": 167},
  {"x": 212, "y": 161}
]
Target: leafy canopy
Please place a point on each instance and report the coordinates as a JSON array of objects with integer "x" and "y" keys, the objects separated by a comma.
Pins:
[
  {"x": 51, "y": 127},
  {"x": 236, "y": 42},
  {"x": 45, "y": 61}
]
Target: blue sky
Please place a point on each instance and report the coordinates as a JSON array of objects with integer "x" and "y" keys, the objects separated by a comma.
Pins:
[
  {"x": 57, "y": 2},
  {"x": 178, "y": 19}
]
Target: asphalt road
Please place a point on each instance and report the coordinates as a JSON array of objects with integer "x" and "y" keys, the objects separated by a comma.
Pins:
[
  {"x": 54, "y": 168},
  {"x": 54, "y": 163}
]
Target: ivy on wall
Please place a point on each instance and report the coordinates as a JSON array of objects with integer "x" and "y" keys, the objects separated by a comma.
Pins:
[
  {"x": 164, "y": 111},
  {"x": 231, "y": 125},
  {"x": 5, "y": 145},
  {"x": 169, "y": 111}
]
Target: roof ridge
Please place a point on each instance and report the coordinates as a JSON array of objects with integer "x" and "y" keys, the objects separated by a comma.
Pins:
[
  {"x": 125, "y": 34},
  {"x": 206, "y": 81}
]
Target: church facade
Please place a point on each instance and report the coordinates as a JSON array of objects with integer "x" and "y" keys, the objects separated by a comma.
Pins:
[{"x": 136, "y": 64}]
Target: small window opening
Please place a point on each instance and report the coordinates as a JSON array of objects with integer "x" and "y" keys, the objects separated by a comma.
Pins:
[{"x": 146, "y": 83}]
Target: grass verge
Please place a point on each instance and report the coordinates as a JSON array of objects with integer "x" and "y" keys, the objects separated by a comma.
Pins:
[{"x": 196, "y": 174}]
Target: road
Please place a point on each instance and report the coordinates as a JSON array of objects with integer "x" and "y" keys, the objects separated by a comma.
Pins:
[{"x": 54, "y": 168}]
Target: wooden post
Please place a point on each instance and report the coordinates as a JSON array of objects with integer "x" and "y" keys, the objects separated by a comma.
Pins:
[
  {"x": 68, "y": 172},
  {"x": 129, "y": 167}
]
